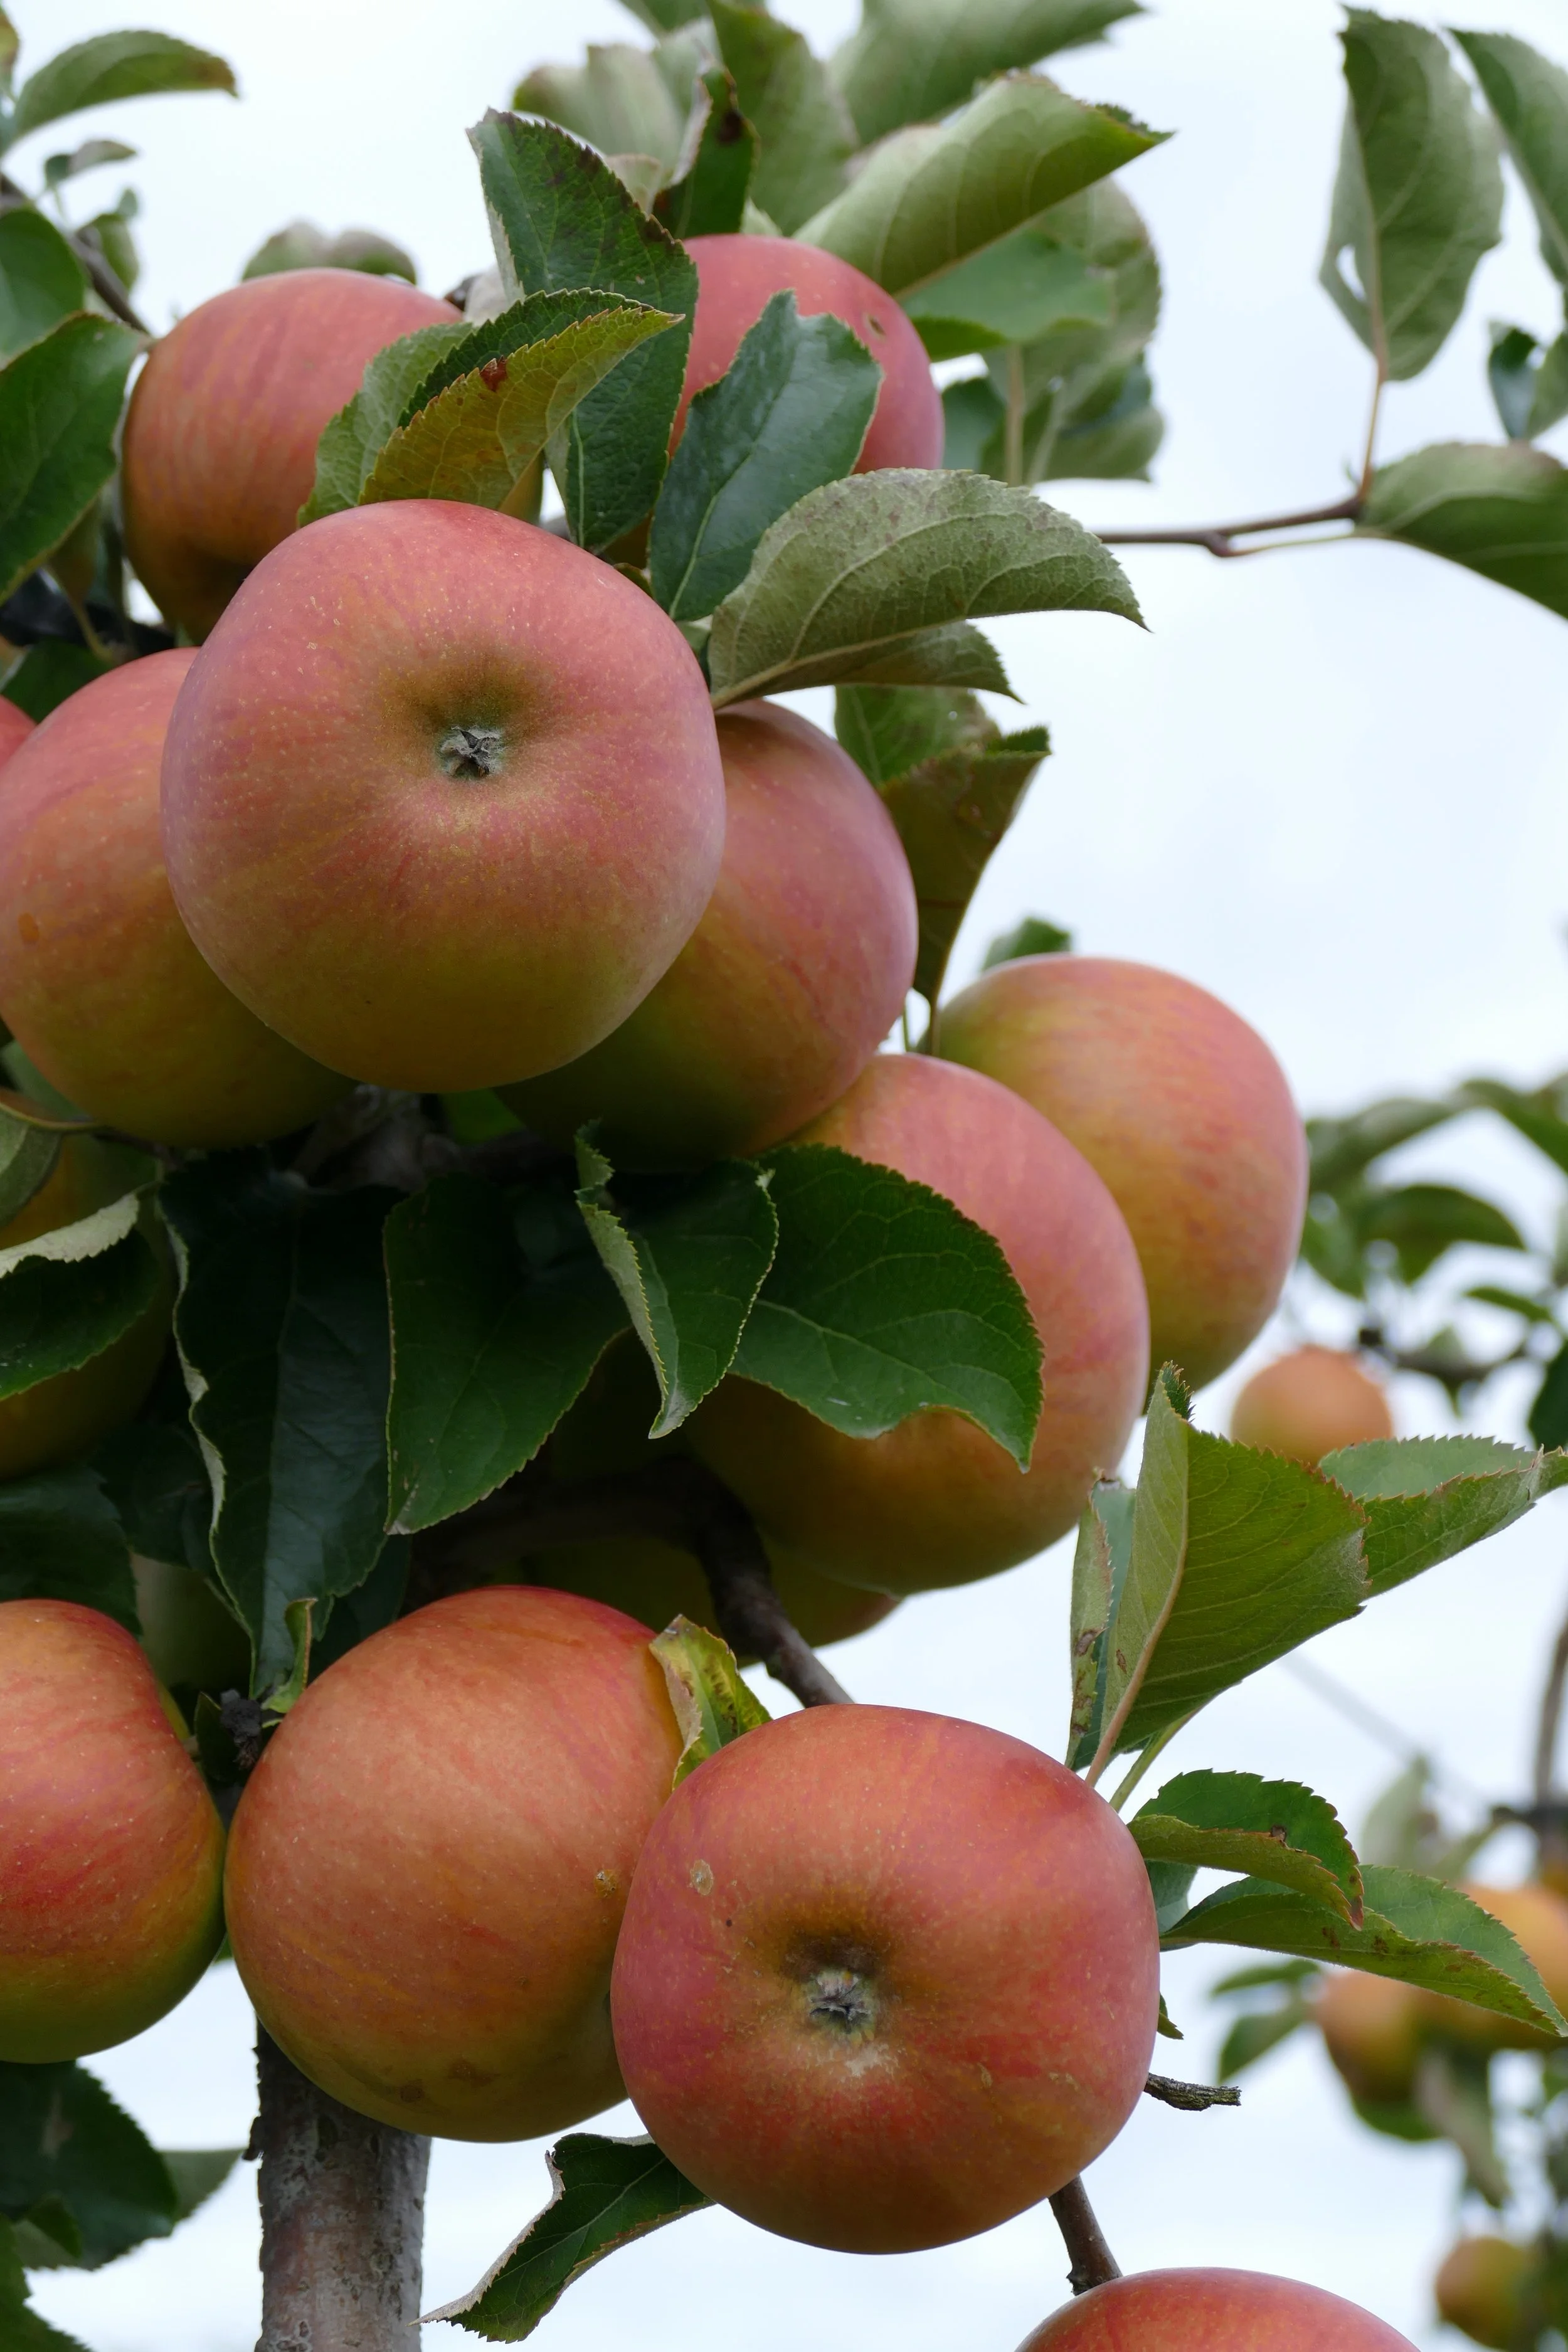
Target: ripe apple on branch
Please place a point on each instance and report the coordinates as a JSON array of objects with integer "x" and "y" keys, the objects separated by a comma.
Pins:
[{"x": 471, "y": 1247}]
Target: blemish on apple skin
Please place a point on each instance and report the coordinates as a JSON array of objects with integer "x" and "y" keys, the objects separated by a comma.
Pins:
[
  {"x": 985, "y": 2081},
  {"x": 607, "y": 1884},
  {"x": 411, "y": 2092},
  {"x": 27, "y": 930},
  {"x": 701, "y": 1878}
]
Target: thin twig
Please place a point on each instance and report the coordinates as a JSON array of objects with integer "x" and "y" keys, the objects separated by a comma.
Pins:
[
  {"x": 1550, "y": 1721},
  {"x": 1219, "y": 537},
  {"x": 1092, "y": 2262},
  {"x": 1193, "y": 2098},
  {"x": 681, "y": 1501}
]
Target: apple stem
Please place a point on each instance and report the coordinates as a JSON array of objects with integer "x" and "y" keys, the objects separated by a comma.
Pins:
[
  {"x": 342, "y": 2218},
  {"x": 1092, "y": 2262},
  {"x": 678, "y": 1499}
]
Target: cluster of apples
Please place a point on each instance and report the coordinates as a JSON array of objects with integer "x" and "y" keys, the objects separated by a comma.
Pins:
[{"x": 439, "y": 802}]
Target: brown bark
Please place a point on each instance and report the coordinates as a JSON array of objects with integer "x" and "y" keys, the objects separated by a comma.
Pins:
[{"x": 342, "y": 2216}]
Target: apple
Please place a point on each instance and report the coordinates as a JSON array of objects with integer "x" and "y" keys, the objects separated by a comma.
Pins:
[
  {"x": 99, "y": 980},
  {"x": 886, "y": 1978},
  {"x": 1371, "y": 2029},
  {"x": 737, "y": 277},
  {"x": 14, "y": 729},
  {"x": 427, "y": 1869},
  {"x": 59, "y": 1419},
  {"x": 220, "y": 437},
  {"x": 442, "y": 795},
  {"x": 1538, "y": 1920},
  {"x": 1481, "y": 2289},
  {"x": 1184, "y": 1111},
  {"x": 1213, "y": 2311},
  {"x": 796, "y": 973},
  {"x": 110, "y": 1851},
  {"x": 935, "y": 1501},
  {"x": 606, "y": 1431},
  {"x": 192, "y": 1641},
  {"x": 1310, "y": 1402}
]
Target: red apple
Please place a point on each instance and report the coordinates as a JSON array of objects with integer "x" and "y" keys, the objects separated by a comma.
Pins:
[
  {"x": 1483, "y": 2288},
  {"x": 442, "y": 795},
  {"x": 935, "y": 1501},
  {"x": 58, "y": 1420},
  {"x": 1184, "y": 1111},
  {"x": 1213, "y": 2311},
  {"x": 606, "y": 1431},
  {"x": 111, "y": 1852},
  {"x": 738, "y": 276},
  {"x": 99, "y": 980},
  {"x": 791, "y": 980},
  {"x": 14, "y": 729},
  {"x": 1372, "y": 2029},
  {"x": 220, "y": 439},
  {"x": 1310, "y": 1402},
  {"x": 886, "y": 1978},
  {"x": 427, "y": 1869}
]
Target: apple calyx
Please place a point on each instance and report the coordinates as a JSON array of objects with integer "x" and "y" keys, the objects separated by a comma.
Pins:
[{"x": 469, "y": 753}]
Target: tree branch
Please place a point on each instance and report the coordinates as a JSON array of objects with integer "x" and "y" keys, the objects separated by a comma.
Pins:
[
  {"x": 1219, "y": 537},
  {"x": 1193, "y": 2098},
  {"x": 679, "y": 1500},
  {"x": 1091, "y": 2259},
  {"x": 342, "y": 2219}
]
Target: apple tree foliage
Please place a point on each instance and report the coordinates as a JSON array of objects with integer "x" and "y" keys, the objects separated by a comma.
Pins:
[{"x": 378, "y": 1324}]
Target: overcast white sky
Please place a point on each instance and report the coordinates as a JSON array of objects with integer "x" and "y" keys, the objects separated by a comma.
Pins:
[{"x": 1329, "y": 786}]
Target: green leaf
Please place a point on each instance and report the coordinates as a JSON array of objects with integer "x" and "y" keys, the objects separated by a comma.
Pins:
[
  {"x": 911, "y": 60},
  {"x": 43, "y": 676},
  {"x": 789, "y": 415},
  {"x": 804, "y": 128},
  {"x": 952, "y": 811},
  {"x": 1421, "y": 1221},
  {"x": 885, "y": 1299},
  {"x": 618, "y": 101},
  {"x": 1529, "y": 97},
  {"x": 712, "y": 175},
  {"x": 62, "y": 2137},
  {"x": 927, "y": 197},
  {"x": 605, "y": 2193},
  {"x": 110, "y": 66},
  {"x": 1117, "y": 444},
  {"x": 666, "y": 15},
  {"x": 1101, "y": 1562},
  {"x": 957, "y": 656},
  {"x": 59, "y": 406},
  {"x": 282, "y": 1331},
  {"x": 1548, "y": 1413},
  {"x": 1031, "y": 936},
  {"x": 1500, "y": 511},
  {"x": 91, "y": 156},
  {"x": 1530, "y": 384},
  {"x": 1426, "y": 1499},
  {"x": 303, "y": 245},
  {"x": 1238, "y": 1558},
  {"x": 1342, "y": 1148},
  {"x": 21, "y": 2328},
  {"x": 60, "y": 1540},
  {"x": 70, "y": 1293},
  {"x": 27, "y": 1157},
  {"x": 1252, "y": 2037},
  {"x": 352, "y": 440},
  {"x": 1274, "y": 1829},
  {"x": 688, "y": 1255},
  {"x": 562, "y": 220},
  {"x": 973, "y": 415},
  {"x": 1453, "y": 2095},
  {"x": 197, "y": 2174},
  {"x": 1415, "y": 1929},
  {"x": 889, "y": 731},
  {"x": 860, "y": 568},
  {"x": 1013, "y": 292},
  {"x": 475, "y": 434},
  {"x": 10, "y": 50},
  {"x": 1538, "y": 1116},
  {"x": 154, "y": 1476},
  {"x": 41, "y": 281},
  {"x": 499, "y": 1311},
  {"x": 1418, "y": 198},
  {"x": 712, "y": 1705}
]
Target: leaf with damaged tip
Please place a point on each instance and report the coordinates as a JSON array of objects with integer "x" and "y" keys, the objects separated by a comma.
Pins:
[
  {"x": 712, "y": 1705},
  {"x": 1276, "y": 1829}
]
